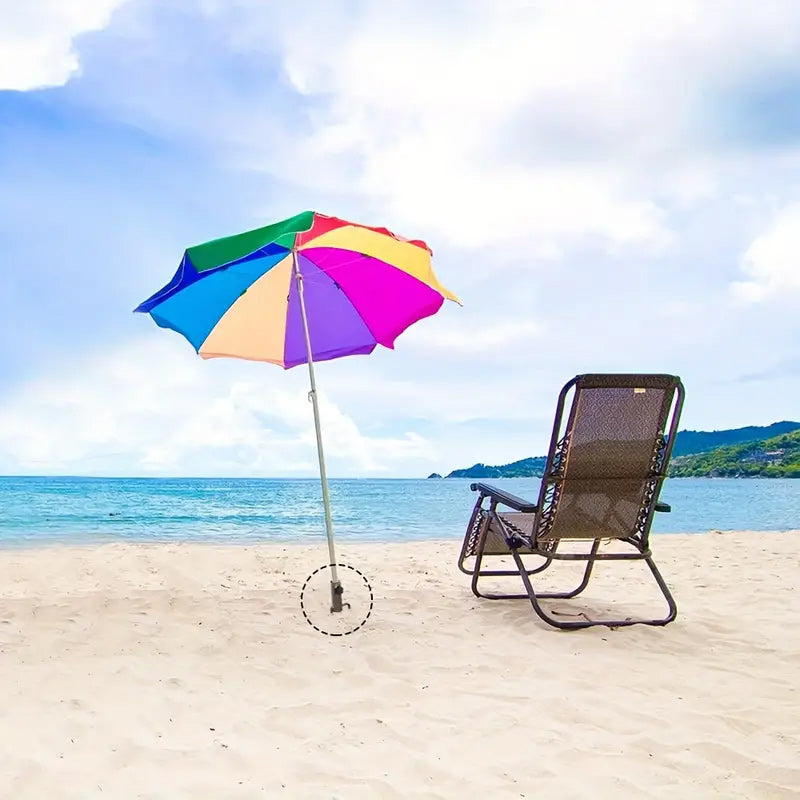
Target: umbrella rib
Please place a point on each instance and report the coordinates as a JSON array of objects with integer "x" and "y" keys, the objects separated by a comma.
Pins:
[
  {"x": 325, "y": 274},
  {"x": 343, "y": 264}
]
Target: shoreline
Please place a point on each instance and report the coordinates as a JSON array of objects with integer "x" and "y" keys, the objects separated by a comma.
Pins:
[{"x": 14, "y": 545}]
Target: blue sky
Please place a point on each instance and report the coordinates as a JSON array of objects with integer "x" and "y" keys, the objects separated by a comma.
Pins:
[{"x": 610, "y": 187}]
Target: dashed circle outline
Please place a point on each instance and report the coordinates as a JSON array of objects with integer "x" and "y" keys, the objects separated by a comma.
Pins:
[{"x": 352, "y": 630}]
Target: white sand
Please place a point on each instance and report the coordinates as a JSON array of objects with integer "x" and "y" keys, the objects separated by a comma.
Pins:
[{"x": 189, "y": 672}]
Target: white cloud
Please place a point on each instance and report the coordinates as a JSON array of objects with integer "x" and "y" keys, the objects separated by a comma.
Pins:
[
  {"x": 494, "y": 122},
  {"x": 37, "y": 39},
  {"x": 474, "y": 122},
  {"x": 434, "y": 388},
  {"x": 447, "y": 123},
  {"x": 772, "y": 261},
  {"x": 448, "y": 336},
  {"x": 153, "y": 407}
]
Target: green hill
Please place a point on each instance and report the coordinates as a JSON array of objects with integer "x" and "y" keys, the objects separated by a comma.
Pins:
[
  {"x": 526, "y": 468},
  {"x": 741, "y": 456},
  {"x": 777, "y": 457},
  {"x": 690, "y": 442}
]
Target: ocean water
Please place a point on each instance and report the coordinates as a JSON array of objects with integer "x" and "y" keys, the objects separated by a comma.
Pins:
[{"x": 39, "y": 511}]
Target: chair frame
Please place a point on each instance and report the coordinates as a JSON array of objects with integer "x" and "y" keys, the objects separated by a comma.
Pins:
[{"x": 489, "y": 521}]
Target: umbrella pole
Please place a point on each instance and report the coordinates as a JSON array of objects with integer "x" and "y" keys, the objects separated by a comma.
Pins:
[{"x": 336, "y": 586}]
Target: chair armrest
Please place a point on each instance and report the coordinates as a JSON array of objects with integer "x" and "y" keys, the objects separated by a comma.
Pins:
[
  {"x": 665, "y": 507},
  {"x": 506, "y": 498}
]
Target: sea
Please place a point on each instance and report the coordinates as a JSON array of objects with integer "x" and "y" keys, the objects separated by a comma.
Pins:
[{"x": 38, "y": 511}]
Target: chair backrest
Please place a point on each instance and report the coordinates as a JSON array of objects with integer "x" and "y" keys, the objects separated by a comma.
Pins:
[{"x": 606, "y": 464}]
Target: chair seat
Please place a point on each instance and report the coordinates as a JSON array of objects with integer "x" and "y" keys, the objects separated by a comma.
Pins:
[{"x": 517, "y": 521}]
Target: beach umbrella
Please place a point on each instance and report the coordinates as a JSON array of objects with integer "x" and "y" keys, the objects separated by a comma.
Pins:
[{"x": 309, "y": 288}]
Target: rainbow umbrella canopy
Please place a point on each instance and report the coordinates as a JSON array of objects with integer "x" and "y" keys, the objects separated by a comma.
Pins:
[{"x": 309, "y": 288}]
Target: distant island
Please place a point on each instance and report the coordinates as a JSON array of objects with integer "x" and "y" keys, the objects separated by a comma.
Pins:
[
  {"x": 770, "y": 451},
  {"x": 525, "y": 468}
]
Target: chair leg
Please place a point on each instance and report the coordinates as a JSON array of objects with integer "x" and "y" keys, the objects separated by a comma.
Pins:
[
  {"x": 574, "y": 625},
  {"x": 587, "y": 573},
  {"x": 478, "y": 573},
  {"x": 506, "y": 573},
  {"x": 662, "y": 584}
]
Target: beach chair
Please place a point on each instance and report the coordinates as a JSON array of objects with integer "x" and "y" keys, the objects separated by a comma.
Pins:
[{"x": 607, "y": 460}]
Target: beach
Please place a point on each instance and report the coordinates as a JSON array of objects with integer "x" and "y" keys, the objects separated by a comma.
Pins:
[{"x": 190, "y": 671}]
